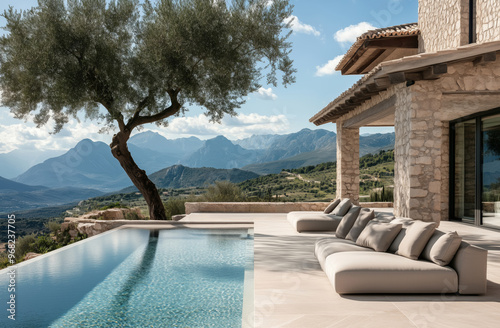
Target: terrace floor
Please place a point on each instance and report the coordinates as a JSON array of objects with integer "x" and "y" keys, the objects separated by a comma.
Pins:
[{"x": 291, "y": 290}]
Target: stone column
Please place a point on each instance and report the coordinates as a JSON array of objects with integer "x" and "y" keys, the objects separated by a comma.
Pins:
[
  {"x": 421, "y": 155},
  {"x": 347, "y": 163}
]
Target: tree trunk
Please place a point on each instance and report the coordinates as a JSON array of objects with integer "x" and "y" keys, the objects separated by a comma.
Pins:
[{"x": 138, "y": 177}]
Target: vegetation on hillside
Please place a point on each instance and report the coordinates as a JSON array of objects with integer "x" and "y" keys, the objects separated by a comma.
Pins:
[{"x": 41, "y": 243}]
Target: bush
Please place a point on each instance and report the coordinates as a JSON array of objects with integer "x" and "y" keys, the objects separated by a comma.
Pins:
[
  {"x": 113, "y": 205},
  {"x": 54, "y": 226},
  {"x": 132, "y": 216},
  {"x": 385, "y": 195},
  {"x": 224, "y": 191},
  {"x": 24, "y": 245},
  {"x": 174, "y": 206}
]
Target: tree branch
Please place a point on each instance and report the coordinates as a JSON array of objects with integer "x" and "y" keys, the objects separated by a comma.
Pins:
[{"x": 137, "y": 120}]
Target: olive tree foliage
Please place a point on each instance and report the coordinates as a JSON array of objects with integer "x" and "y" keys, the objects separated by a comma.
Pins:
[
  {"x": 136, "y": 61},
  {"x": 126, "y": 63}
]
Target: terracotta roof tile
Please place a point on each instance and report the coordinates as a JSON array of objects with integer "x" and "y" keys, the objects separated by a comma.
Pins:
[{"x": 386, "y": 32}]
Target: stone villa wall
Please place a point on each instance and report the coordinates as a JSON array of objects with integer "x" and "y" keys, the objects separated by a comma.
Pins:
[
  {"x": 347, "y": 163},
  {"x": 441, "y": 24},
  {"x": 422, "y": 118},
  {"x": 488, "y": 23},
  {"x": 444, "y": 24}
]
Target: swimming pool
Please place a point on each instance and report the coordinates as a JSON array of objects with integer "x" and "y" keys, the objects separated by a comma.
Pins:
[{"x": 139, "y": 278}]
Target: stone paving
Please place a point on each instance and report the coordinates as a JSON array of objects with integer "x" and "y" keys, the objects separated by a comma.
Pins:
[{"x": 291, "y": 290}]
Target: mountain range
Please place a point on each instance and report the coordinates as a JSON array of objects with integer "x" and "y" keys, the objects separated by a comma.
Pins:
[
  {"x": 90, "y": 164},
  {"x": 179, "y": 176},
  {"x": 15, "y": 196}
]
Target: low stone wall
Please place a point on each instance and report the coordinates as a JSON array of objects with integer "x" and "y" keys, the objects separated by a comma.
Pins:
[
  {"x": 264, "y": 207},
  {"x": 96, "y": 222}
]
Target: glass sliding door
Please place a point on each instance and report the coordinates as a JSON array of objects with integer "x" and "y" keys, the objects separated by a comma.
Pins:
[
  {"x": 475, "y": 169},
  {"x": 465, "y": 171},
  {"x": 490, "y": 134}
]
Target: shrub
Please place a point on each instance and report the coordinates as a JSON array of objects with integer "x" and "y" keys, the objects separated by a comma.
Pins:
[
  {"x": 54, "y": 226},
  {"x": 24, "y": 245},
  {"x": 113, "y": 205},
  {"x": 223, "y": 191},
  {"x": 132, "y": 216},
  {"x": 175, "y": 206}
]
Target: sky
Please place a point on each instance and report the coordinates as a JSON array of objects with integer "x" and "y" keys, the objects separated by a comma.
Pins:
[{"x": 323, "y": 30}]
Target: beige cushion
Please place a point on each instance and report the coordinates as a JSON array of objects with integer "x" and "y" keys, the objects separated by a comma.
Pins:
[
  {"x": 365, "y": 216},
  {"x": 313, "y": 221},
  {"x": 379, "y": 272},
  {"x": 331, "y": 206},
  {"x": 378, "y": 236},
  {"x": 442, "y": 247},
  {"x": 347, "y": 222},
  {"x": 342, "y": 207},
  {"x": 328, "y": 246},
  {"x": 417, "y": 236},
  {"x": 399, "y": 238}
]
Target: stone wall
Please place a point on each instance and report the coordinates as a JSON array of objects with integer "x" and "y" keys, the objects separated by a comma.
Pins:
[
  {"x": 347, "y": 163},
  {"x": 441, "y": 24},
  {"x": 488, "y": 21},
  {"x": 422, "y": 135},
  {"x": 262, "y": 207},
  {"x": 444, "y": 24},
  {"x": 422, "y": 116},
  {"x": 96, "y": 222},
  {"x": 402, "y": 167}
]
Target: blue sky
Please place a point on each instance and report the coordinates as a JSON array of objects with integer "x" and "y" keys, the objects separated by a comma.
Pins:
[{"x": 323, "y": 30}]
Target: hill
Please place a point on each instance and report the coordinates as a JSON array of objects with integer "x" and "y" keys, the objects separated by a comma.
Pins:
[
  {"x": 8, "y": 186},
  {"x": 23, "y": 200},
  {"x": 179, "y": 176},
  {"x": 177, "y": 148},
  {"x": 328, "y": 153},
  {"x": 91, "y": 165},
  {"x": 221, "y": 153},
  {"x": 318, "y": 182}
]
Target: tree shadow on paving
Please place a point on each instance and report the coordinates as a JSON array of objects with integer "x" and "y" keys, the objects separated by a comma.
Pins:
[{"x": 286, "y": 253}]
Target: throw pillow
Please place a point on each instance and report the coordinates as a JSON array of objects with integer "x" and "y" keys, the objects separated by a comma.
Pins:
[
  {"x": 378, "y": 236},
  {"x": 342, "y": 208},
  {"x": 365, "y": 216},
  {"x": 441, "y": 247},
  {"x": 417, "y": 236},
  {"x": 347, "y": 221},
  {"x": 397, "y": 241},
  {"x": 331, "y": 206}
]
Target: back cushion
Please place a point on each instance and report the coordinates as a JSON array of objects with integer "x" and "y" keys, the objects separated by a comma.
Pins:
[
  {"x": 417, "y": 236},
  {"x": 342, "y": 207},
  {"x": 347, "y": 221},
  {"x": 378, "y": 235},
  {"x": 365, "y": 216},
  {"x": 397, "y": 241},
  {"x": 441, "y": 247},
  {"x": 331, "y": 206}
]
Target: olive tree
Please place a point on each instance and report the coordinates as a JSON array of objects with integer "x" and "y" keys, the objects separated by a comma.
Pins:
[{"x": 127, "y": 63}]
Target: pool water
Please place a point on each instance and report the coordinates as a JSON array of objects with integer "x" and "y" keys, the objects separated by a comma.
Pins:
[{"x": 138, "y": 278}]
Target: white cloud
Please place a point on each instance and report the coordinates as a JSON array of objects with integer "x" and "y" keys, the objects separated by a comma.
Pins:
[
  {"x": 328, "y": 68},
  {"x": 237, "y": 127},
  {"x": 350, "y": 33},
  {"x": 266, "y": 94},
  {"x": 25, "y": 135},
  {"x": 299, "y": 27}
]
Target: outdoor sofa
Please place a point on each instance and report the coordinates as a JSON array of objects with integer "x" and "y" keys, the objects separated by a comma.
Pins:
[{"x": 375, "y": 254}]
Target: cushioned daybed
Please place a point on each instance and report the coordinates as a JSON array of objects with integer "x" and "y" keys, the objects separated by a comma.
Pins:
[{"x": 371, "y": 254}]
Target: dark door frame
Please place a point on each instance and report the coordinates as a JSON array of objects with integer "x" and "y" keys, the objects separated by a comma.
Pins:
[{"x": 478, "y": 213}]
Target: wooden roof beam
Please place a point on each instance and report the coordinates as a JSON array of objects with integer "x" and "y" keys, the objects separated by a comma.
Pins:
[{"x": 486, "y": 58}]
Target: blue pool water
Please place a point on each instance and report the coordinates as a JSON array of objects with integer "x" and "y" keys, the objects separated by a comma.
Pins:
[{"x": 136, "y": 278}]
